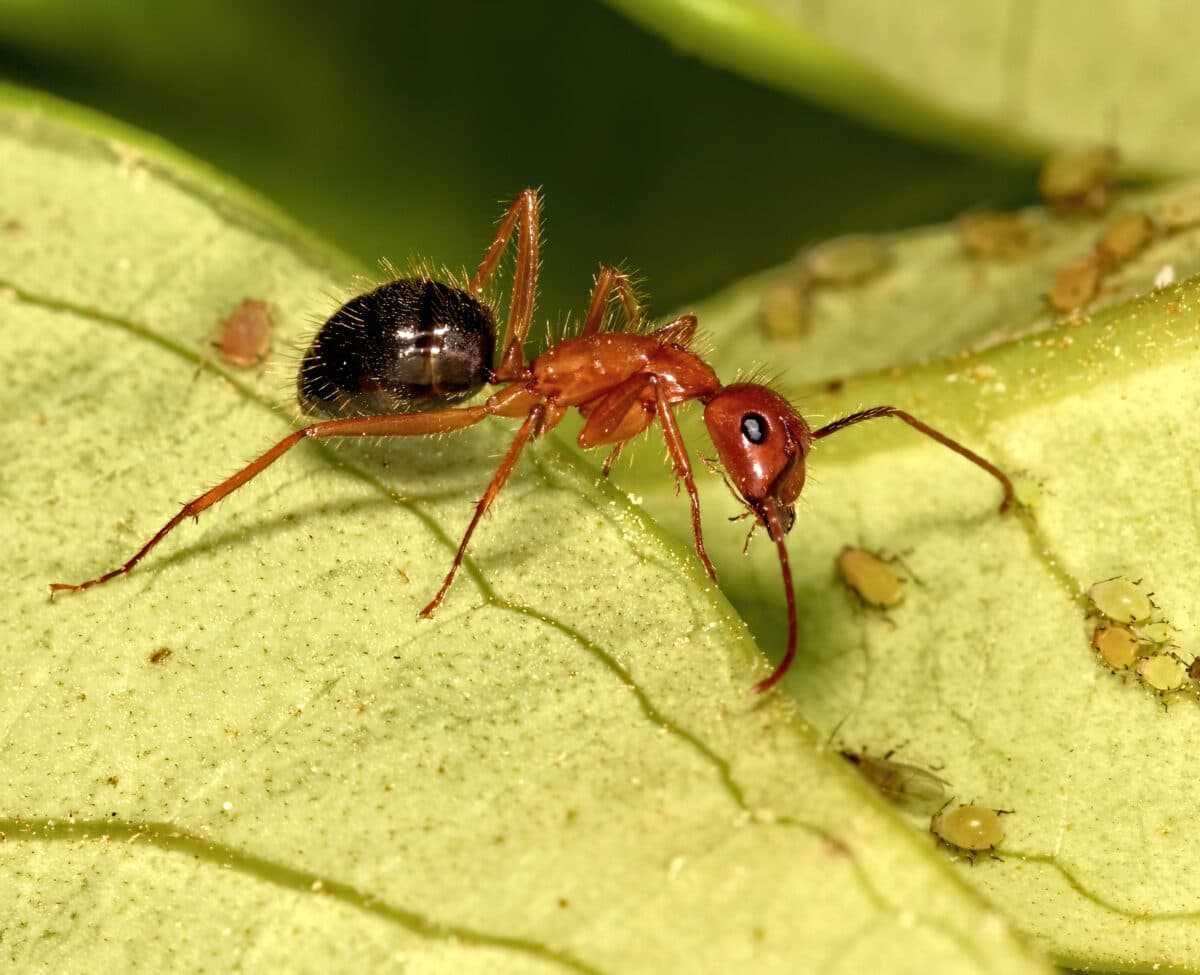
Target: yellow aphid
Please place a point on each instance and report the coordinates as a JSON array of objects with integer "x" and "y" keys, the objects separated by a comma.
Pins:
[
  {"x": 970, "y": 828},
  {"x": 1079, "y": 180},
  {"x": 1120, "y": 600},
  {"x": 1116, "y": 645},
  {"x": 1075, "y": 285},
  {"x": 995, "y": 235},
  {"x": 873, "y": 579},
  {"x": 1162, "y": 672},
  {"x": 1179, "y": 212},
  {"x": 1124, "y": 237}
]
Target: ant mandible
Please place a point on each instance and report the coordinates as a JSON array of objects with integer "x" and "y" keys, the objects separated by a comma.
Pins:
[{"x": 417, "y": 339}]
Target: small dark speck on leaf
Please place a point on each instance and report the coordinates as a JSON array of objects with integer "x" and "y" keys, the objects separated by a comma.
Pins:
[
  {"x": 113, "y": 780},
  {"x": 159, "y": 655}
]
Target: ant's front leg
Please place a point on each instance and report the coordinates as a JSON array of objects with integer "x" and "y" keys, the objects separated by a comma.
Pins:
[
  {"x": 523, "y": 216},
  {"x": 683, "y": 470}
]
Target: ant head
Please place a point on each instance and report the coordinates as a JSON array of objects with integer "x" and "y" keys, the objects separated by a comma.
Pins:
[{"x": 762, "y": 443}]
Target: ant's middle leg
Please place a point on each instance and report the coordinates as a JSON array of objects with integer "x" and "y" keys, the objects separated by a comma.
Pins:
[
  {"x": 523, "y": 216},
  {"x": 535, "y": 423},
  {"x": 389, "y": 425}
]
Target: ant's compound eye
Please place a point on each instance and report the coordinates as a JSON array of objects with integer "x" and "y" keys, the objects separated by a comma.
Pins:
[{"x": 754, "y": 427}]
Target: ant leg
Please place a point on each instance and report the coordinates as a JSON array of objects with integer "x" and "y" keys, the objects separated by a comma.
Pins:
[
  {"x": 606, "y": 467},
  {"x": 678, "y": 332},
  {"x": 608, "y": 278},
  {"x": 683, "y": 470},
  {"x": 617, "y": 415},
  {"x": 524, "y": 210},
  {"x": 390, "y": 425},
  {"x": 876, "y": 412},
  {"x": 533, "y": 424}
]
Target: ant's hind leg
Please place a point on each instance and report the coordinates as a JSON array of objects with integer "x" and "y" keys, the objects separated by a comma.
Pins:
[
  {"x": 522, "y": 216},
  {"x": 391, "y": 425},
  {"x": 878, "y": 412},
  {"x": 534, "y": 424}
]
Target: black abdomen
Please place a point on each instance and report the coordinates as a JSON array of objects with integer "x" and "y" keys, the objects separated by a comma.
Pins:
[{"x": 399, "y": 347}]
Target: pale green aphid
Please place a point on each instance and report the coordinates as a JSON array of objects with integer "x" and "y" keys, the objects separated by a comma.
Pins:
[
  {"x": 1162, "y": 672},
  {"x": 845, "y": 260},
  {"x": 908, "y": 786},
  {"x": 1120, "y": 600},
  {"x": 1179, "y": 212},
  {"x": 1159, "y": 632}
]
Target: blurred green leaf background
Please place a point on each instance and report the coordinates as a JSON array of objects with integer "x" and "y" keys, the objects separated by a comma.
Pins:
[{"x": 396, "y": 130}]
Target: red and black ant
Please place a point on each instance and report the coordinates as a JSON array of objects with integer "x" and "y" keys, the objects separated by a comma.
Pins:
[{"x": 416, "y": 340}]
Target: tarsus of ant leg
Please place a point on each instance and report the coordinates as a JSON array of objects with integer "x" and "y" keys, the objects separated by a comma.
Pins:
[
  {"x": 790, "y": 654},
  {"x": 532, "y": 422},
  {"x": 877, "y": 412},
  {"x": 392, "y": 425},
  {"x": 683, "y": 470},
  {"x": 606, "y": 467},
  {"x": 606, "y": 279}
]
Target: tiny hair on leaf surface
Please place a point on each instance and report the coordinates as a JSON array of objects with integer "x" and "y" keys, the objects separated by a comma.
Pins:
[
  {"x": 557, "y": 773},
  {"x": 988, "y": 667}
]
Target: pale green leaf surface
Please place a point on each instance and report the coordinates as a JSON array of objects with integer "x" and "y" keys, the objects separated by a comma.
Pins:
[
  {"x": 986, "y": 672},
  {"x": 563, "y": 772},
  {"x": 1016, "y": 78}
]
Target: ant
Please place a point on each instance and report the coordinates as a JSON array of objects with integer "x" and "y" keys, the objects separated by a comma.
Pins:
[{"x": 422, "y": 341}]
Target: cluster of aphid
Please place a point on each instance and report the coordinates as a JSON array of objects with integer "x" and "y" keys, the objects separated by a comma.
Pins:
[
  {"x": 1071, "y": 183},
  {"x": 967, "y": 828},
  {"x": 837, "y": 263},
  {"x": 1128, "y": 639},
  {"x": 1084, "y": 182},
  {"x": 388, "y": 362}
]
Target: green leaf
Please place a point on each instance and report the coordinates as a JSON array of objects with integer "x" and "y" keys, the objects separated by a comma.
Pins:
[
  {"x": 1012, "y": 79},
  {"x": 986, "y": 671},
  {"x": 250, "y": 753}
]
